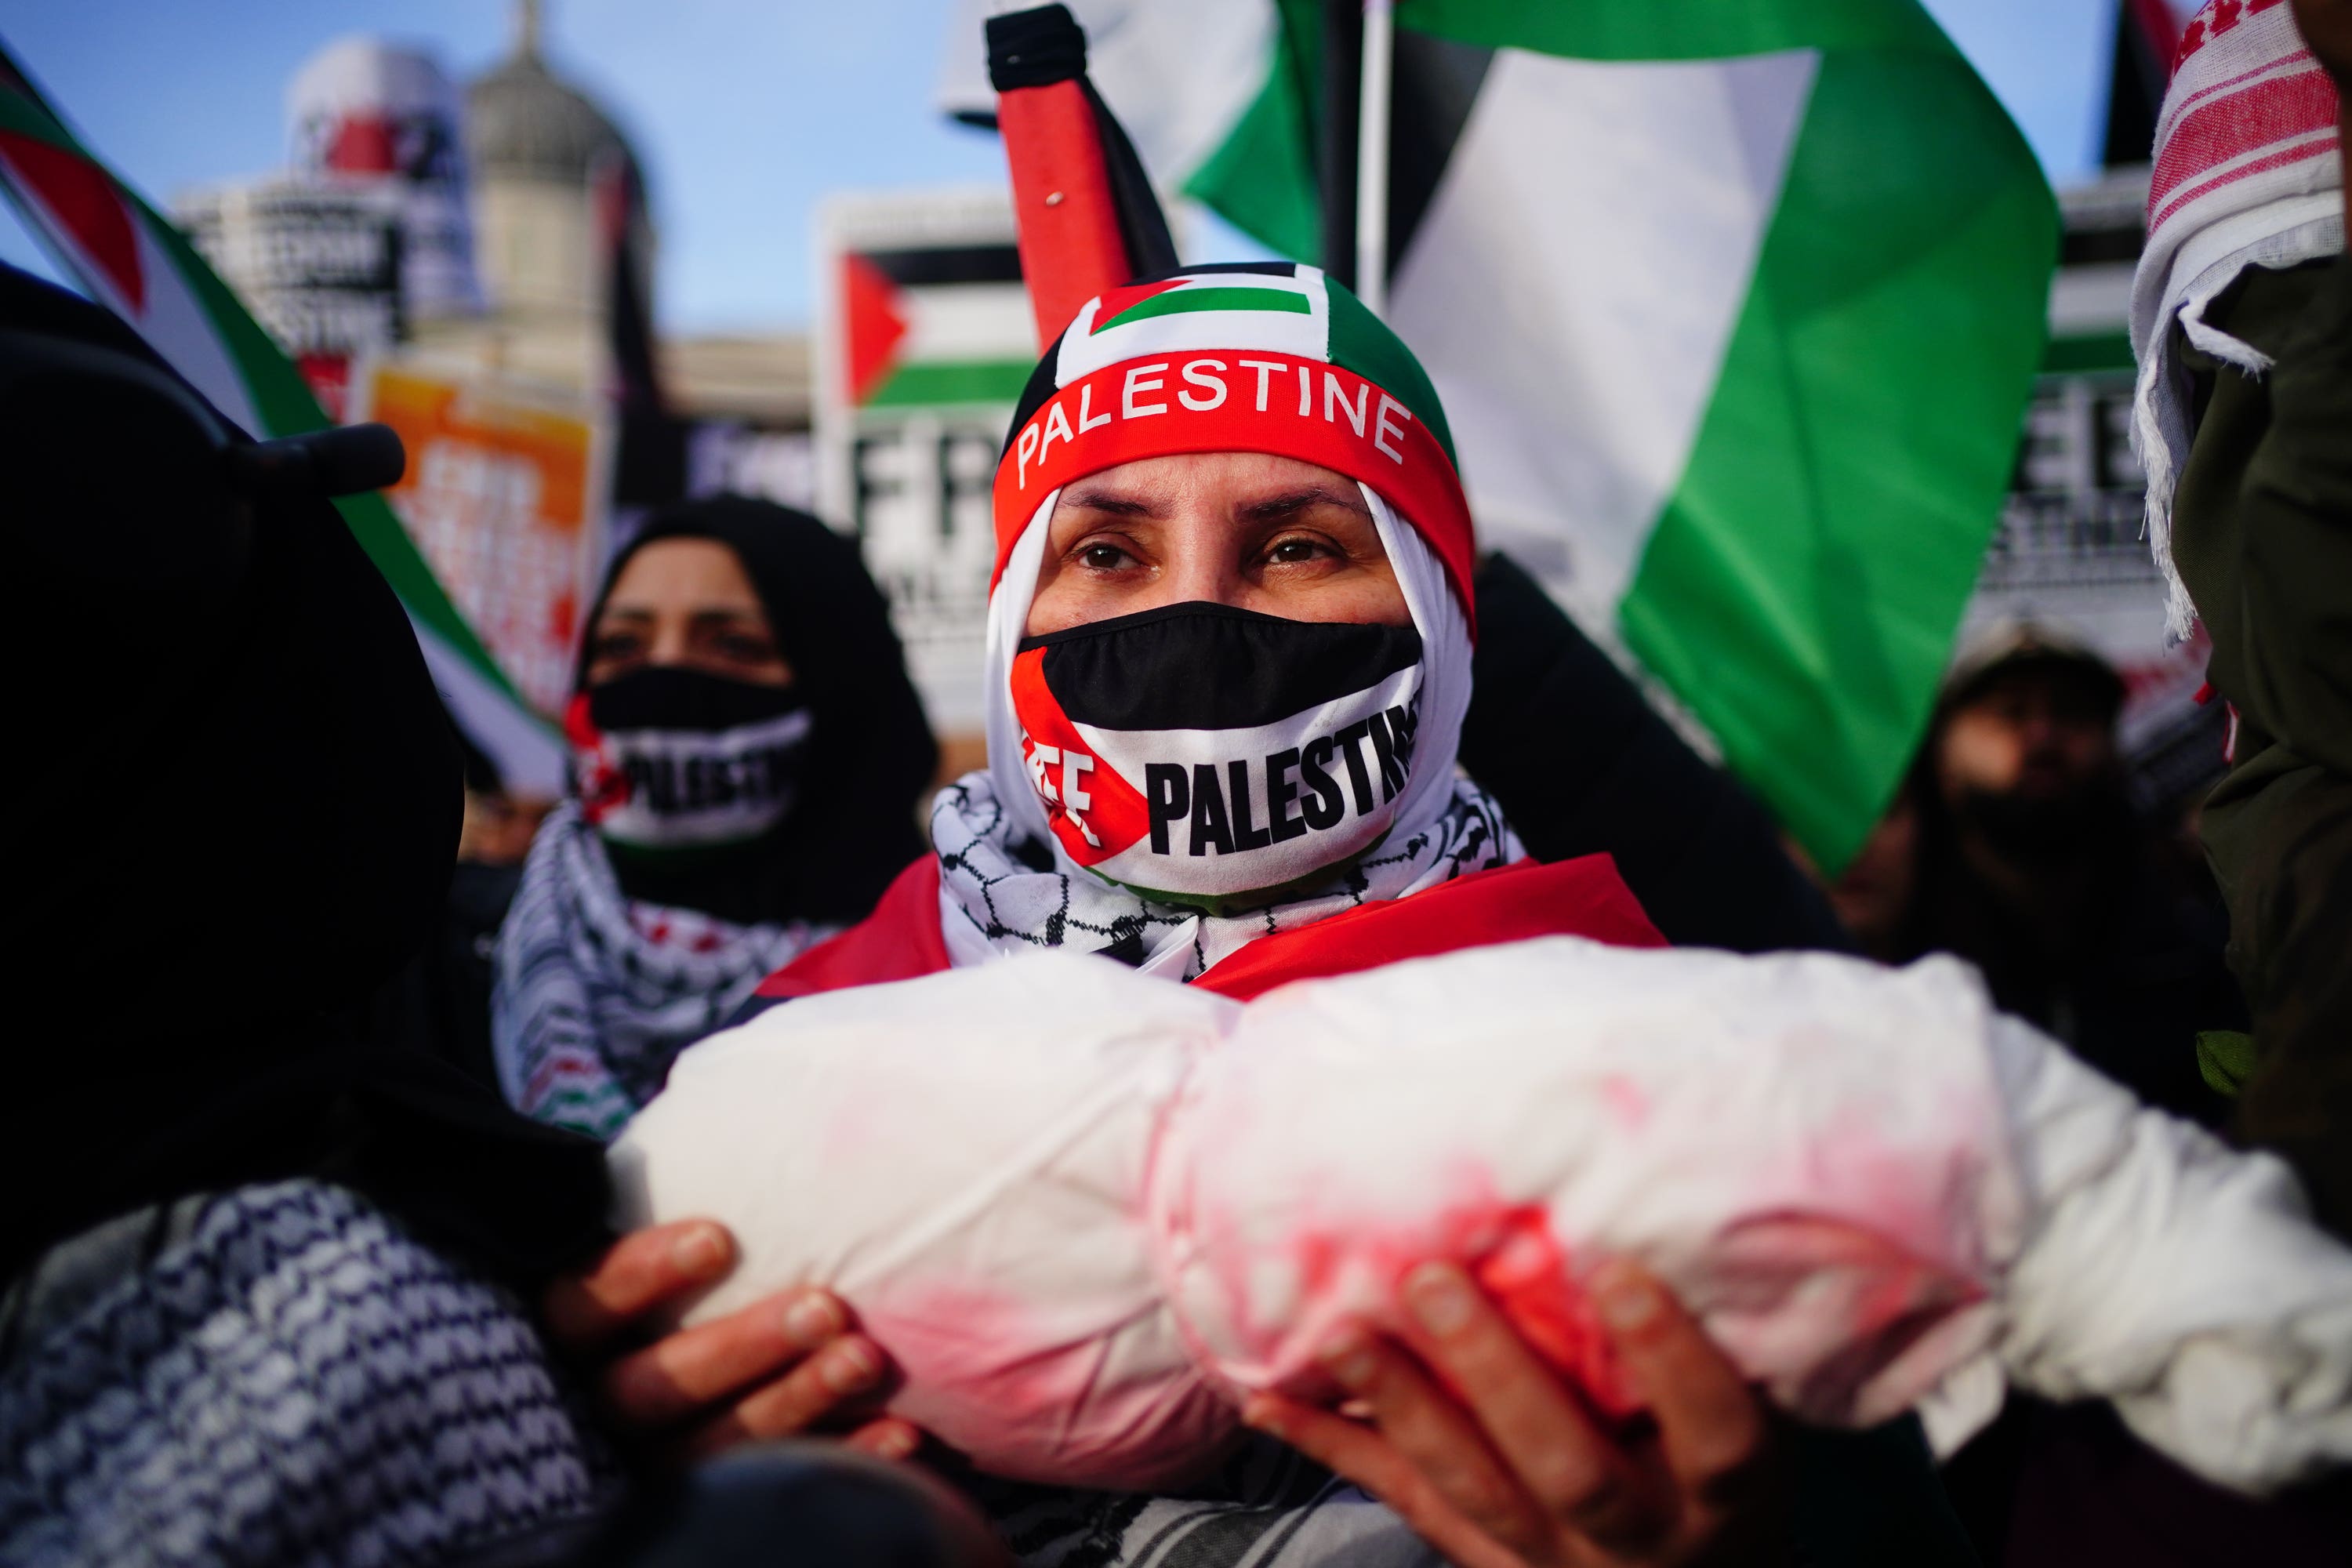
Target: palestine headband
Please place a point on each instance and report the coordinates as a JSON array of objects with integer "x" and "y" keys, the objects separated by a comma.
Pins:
[{"x": 1250, "y": 357}]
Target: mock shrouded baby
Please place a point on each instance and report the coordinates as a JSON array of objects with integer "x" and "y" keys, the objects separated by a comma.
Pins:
[{"x": 1087, "y": 1210}]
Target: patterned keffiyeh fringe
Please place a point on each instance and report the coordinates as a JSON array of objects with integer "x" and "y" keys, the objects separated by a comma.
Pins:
[
  {"x": 1002, "y": 895},
  {"x": 292, "y": 1380},
  {"x": 596, "y": 994}
]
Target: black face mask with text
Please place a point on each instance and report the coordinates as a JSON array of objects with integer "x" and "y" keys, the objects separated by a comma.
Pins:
[
  {"x": 1199, "y": 753},
  {"x": 671, "y": 758}
]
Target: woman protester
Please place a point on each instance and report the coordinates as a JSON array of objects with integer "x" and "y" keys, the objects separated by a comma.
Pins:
[
  {"x": 1229, "y": 658},
  {"x": 747, "y": 758}
]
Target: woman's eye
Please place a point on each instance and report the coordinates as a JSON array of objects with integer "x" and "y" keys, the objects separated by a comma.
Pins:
[
  {"x": 1103, "y": 557},
  {"x": 614, "y": 645},
  {"x": 744, "y": 648},
  {"x": 1290, "y": 552}
]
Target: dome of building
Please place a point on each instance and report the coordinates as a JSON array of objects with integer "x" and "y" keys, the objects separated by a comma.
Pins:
[{"x": 523, "y": 124}]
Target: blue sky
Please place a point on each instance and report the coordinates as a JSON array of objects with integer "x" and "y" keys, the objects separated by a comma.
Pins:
[{"x": 744, "y": 111}]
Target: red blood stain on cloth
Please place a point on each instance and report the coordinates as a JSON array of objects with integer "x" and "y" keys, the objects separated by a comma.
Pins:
[
  {"x": 1051, "y": 1390},
  {"x": 1524, "y": 1270},
  {"x": 1357, "y": 1270}
]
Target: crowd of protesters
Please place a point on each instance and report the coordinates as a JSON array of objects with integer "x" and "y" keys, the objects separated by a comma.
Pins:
[{"x": 308, "y": 1255}]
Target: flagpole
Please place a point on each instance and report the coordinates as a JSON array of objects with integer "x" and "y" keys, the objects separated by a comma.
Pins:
[
  {"x": 1372, "y": 157},
  {"x": 1341, "y": 83}
]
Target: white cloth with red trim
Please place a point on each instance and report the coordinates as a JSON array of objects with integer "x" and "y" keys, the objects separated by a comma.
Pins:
[
  {"x": 2248, "y": 172},
  {"x": 1085, "y": 1211}
]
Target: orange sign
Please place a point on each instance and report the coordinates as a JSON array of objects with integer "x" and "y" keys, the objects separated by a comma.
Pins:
[{"x": 504, "y": 497}]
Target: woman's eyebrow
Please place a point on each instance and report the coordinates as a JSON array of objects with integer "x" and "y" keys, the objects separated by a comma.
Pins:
[
  {"x": 1290, "y": 501},
  {"x": 1115, "y": 503}
]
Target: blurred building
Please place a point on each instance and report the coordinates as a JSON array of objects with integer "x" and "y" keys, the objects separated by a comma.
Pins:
[
  {"x": 555, "y": 193},
  {"x": 475, "y": 268},
  {"x": 318, "y": 263},
  {"x": 556, "y": 197}
]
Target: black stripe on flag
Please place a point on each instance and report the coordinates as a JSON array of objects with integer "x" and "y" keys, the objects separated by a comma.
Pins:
[
  {"x": 948, "y": 264},
  {"x": 1437, "y": 81},
  {"x": 1213, "y": 666}
]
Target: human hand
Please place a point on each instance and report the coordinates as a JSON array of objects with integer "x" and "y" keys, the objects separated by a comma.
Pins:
[
  {"x": 1515, "y": 1472},
  {"x": 790, "y": 1363},
  {"x": 2327, "y": 27}
]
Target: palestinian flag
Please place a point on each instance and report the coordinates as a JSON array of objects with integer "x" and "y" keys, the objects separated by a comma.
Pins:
[
  {"x": 133, "y": 262},
  {"x": 1735, "y": 306},
  {"x": 944, "y": 324}
]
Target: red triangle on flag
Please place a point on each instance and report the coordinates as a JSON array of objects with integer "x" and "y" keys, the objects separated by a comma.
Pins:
[
  {"x": 87, "y": 206},
  {"x": 1115, "y": 300},
  {"x": 870, "y": 306}
]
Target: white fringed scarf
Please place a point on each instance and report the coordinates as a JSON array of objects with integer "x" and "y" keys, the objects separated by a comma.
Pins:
[{"x": 2247, "y": 173}]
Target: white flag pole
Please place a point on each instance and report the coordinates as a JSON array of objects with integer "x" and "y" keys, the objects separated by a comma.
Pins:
[{"x": 1372, "y": 158}]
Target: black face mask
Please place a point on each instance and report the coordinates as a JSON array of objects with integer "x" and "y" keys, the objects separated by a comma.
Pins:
[
  {"x": 672, "y": 759},
  {"x": 2044, "y": 829},
  {"x": 1200, "y": 753}
]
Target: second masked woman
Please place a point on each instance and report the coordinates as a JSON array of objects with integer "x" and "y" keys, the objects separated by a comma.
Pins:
[{"x": 746, "y": 758}]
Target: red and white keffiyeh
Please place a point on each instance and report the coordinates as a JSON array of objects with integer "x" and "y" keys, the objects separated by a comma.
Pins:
[{"x": 2247, "y": 173}]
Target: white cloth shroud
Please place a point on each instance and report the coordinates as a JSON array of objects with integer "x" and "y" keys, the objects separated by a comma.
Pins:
[{"x": 1086, "y": 1210}]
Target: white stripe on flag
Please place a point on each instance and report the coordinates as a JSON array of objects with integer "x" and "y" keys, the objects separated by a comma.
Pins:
[
  {"x": 179, "y": 327},
  {"x": 530, "y": 758},
  {"x": 966, "y": 321},
  {"x": 1574, "y": 284}
]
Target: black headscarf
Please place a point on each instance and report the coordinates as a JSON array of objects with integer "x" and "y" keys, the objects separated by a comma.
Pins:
[
  {"x": 870, "y": 756},
  {"x": 232, "y": 804}
]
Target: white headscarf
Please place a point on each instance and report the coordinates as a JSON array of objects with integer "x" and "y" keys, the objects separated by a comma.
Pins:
[{"x": 997, "y": 899}]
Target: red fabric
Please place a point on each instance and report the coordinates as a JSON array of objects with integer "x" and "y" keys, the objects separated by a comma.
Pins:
[
  {"x": 1584, "y": 897},
  {"x": 87, "y": 205},
  {"x": 2215, "y": 20},
  {"x": 1066, "y": 216},
  {"x": 1292, "y": 407},
  {"x": 2247, "y": 100},
  {"x": 869, "y": 305},
  {"x": 2208, "y": 145},
  {"x": 899, "y": 941}
]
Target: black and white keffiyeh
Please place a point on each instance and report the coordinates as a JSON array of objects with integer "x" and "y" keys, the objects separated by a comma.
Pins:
[
  {"x": 596, "y": 993},
  {"x": 280, "y": 1374},
  {"x": 1002, "y": 893}
]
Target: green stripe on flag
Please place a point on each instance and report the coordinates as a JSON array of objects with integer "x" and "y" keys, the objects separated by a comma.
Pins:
[
  {"x": 1803, "y": 585},
  {"x": 1800, "y": 586},
  {"x": 1260, "y": 178},
  {"x": 953, "y": 381},
  {"x": 1681, "y": 30},
  {"x": 1182, "y": 302}
]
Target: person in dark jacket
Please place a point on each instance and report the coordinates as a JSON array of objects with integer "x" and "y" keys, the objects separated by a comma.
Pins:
[
  {"x": 2031, "y": 861},
  {"x": 749, "y": 756},
  {"x": 263, "y": 1278},
  {"x": 2243, "y": 323}
]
